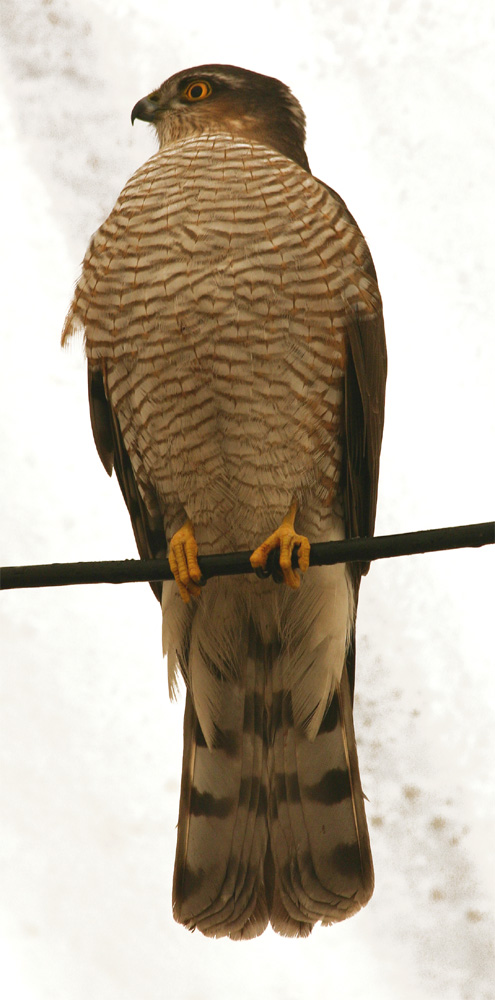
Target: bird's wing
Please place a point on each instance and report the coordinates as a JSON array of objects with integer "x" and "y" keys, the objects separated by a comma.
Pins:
[
  {"x": 364, "y": 404},
  {"x": 145, "y": 517}
]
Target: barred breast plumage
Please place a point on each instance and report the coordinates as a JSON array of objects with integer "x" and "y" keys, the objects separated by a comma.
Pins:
[
  {"x": 209, "y": 289},
  {"x": 216, "y": 302}
]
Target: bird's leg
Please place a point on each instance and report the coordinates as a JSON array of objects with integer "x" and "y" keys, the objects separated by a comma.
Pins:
[
  {"x": 285, "y": 538},
  {"x": 183, "y": 559}
]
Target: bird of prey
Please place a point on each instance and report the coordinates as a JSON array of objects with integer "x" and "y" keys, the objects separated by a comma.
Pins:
[{"x": 236, "y": 360}]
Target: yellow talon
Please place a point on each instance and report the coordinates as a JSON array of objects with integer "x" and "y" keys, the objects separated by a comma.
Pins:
[
  {"x": 183, "y": 560},
  {"x": 285, "y": 538}
]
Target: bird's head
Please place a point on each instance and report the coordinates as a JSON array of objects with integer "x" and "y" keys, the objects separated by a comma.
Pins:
[{"x": 226, "y": 99}]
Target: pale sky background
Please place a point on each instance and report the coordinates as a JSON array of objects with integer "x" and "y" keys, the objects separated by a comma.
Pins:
[{"x": 399, "y": 97}]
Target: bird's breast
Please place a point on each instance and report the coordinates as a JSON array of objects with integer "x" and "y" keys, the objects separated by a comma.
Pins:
[{"x": 217, "y": 294}]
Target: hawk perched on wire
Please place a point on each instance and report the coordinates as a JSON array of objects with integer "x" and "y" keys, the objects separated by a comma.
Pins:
[{"x": 236, "y": 362}]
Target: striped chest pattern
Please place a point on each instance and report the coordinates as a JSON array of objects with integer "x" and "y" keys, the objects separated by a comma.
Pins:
[{"x": 216, "y": 294}]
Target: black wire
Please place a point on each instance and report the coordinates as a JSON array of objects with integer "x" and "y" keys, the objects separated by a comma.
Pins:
[{"x": 232, "y": 563}]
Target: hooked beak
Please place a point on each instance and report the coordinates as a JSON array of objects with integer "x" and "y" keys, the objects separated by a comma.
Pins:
[{"x": 145, "y": 110}]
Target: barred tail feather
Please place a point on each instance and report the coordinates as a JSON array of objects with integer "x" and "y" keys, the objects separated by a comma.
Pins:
[
  {"x": 222, "y": 835},
  {"x": 317, "y": 822},
  {"x": 271, "y": 823}
]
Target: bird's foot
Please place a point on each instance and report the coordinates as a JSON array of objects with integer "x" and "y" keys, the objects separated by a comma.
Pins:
[
  {"x": 285, "y": 538},
  {"x": 183, "y": 559}
]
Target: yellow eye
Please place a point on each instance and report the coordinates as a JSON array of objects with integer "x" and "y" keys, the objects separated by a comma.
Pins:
[{"x": 197, "y": 91}]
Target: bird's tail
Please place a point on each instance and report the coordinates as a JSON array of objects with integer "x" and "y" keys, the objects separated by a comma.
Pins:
[
  {"x": 322, "y": 866},
  {"x": 222, "y": 830},
  {"x": 272, "y": 824}
]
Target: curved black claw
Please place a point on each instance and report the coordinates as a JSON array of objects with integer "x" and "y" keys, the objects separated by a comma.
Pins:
[
  {"x": 261, "y": 573},
  {"x": 273, "y": 564},
  {"x": 272, "y": 568}
]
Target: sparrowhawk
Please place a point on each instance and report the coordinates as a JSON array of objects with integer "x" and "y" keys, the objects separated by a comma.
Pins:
[{"x": 237, "y": 364}]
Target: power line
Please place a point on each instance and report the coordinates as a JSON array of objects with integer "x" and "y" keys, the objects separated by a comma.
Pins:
[{"x": 233, "y": 563}]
